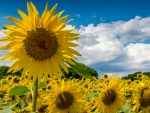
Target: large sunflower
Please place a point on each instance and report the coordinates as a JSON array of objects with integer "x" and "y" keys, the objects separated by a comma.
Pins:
[
  {"x": 66, "y": 98},
  {"x": 111, "y": 97},
  {"x": 39, "y": 44},
  {"x": 141, "y": 98}
]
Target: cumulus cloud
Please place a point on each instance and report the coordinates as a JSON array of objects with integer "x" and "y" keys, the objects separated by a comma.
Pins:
[
  {"x": 135, "y": 29},
  {"x": 3, "y": 52},
  {"x": 116, "y": 47},
  {"x": 1, "y": 33},
  {"x": 102, "y": 19}
]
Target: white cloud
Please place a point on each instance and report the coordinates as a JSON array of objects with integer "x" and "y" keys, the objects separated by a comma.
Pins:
[
  {"x": 135, "y": 29},
  {"x": 115, "y": 47},
  {"x": 108, "y": 47},
  {"x": 1, "y": 33},
  {"x": 102, "y": 19},
  {"x": 78, "y": 15},
  {"x": 2, "y": 52}
]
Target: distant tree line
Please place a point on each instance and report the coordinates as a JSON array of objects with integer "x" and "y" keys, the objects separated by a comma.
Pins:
[
  {"x": 72, "y": 73},
  {"x": 134, "y": 75},
  {"x": 4, "y": 69}
]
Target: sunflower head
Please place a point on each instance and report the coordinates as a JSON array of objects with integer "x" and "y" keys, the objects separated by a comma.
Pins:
[
  {"x": 139, "y": 75},
  {"x": 40, "y": 41},
  {"x": 9, "y": 77},
  {"x": 109, "y": 97},
  {"x": 65, "y": 97},
  {"x": 64, "y": 100},
  {"x": 145, "y": 97},
  {"x": 15, "y": 80},
  {"x": 105, "y": 75},
  {"x": 128, "y": 81},
  {"x": 141, "y": 98},
  {"x": 40, "y": 44}
]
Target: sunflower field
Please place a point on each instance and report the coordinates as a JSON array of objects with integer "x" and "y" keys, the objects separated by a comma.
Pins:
[
  {"x": 103, "y": 95},
  {"x": 43, "y": 48}
]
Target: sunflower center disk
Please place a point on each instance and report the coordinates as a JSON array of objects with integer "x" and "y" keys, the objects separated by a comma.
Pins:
[
  {"x": 109, "y": 97},
  {"x": 64, "y": 100},
  {"x": 40, "y": 44},
  {"x": 145, "y": 98}
]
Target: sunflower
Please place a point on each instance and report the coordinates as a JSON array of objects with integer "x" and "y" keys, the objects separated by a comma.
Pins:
[
  {"x": 105, "y": 75},
  {"x": 142, "y": 97},
  {"x": 65, "y": 98},
  {"x": 16, "y": 80},
  {"x": 111, "y": 97},
  {"x": 39, "y": 45},
  {"x": 139, "y": 76}
]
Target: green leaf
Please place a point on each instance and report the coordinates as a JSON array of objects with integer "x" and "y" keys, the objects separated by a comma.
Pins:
[
  {"x": 127, "y": 108},
  {"x": 8, "y": 109},
  {"x": 19, "y": 90},
  {"x": 127, "y": 94},
  {"x": 91, "y": 95},
  {"x": 42, "y": 85},
  {"x": 81, "y": 69}
]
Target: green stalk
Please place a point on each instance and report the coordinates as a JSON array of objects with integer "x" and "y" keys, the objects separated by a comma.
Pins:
[{"x": 34, "y": 95}]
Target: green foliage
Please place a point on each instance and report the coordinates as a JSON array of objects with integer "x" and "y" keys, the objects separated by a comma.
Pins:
[
  {"x": 19, "y": 90},
  {"x": 8, "y": 109},
  {"x": 3, "y": 71},
  {"x": 80, "y": 70},
  {"x": 127, "y": 108},
  {"x": 133, "y": 76},
  {"x": 75, "y": 71},
  {"x": 4, "y": 27},
  {"x": 42, "y": 85}
]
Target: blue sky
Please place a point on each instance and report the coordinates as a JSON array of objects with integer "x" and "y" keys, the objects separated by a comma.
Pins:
[
  {"x": 84, "y": 11},
  {"x": 114, "y": 33}
]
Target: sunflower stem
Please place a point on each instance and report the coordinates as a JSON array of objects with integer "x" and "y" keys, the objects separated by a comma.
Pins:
[{"x": 34, "y": 96}]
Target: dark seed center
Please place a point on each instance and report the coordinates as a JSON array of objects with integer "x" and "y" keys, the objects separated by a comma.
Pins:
[
  {"x": 40, "y": 44},
  {"x": 64, "y": 100},
  {"x": 109, "y": 96},
  {"x": 145, "y": 98}
]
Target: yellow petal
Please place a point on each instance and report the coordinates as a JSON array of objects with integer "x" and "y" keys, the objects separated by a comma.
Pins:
[
  {"x": 57, "y": 67},
  {"x": 44, "y": 15},
  {"x": 15, "y": 28},
  {"x": 52, "y": 11},
  {"x": 31, "y": 14},
  {"x": 13, "y": 66},
  {"x": 17, "y": 22},
  {"x": 40, "y": 71},
  {"x": 73, "y": 51},
  {"x": 48, "y": 67},
  {"x": 51, "y": 23},
  {"x": 25, "y": 18},
  {"x": 60, "y": 62},
  {"x": 68, "y": 60},
  {"x": 54, "y": 68},
  {"x": 12, "y": 45}
]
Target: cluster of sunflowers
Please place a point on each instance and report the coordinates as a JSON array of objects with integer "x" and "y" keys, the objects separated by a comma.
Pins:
[{"x": 104, "y": 95}]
